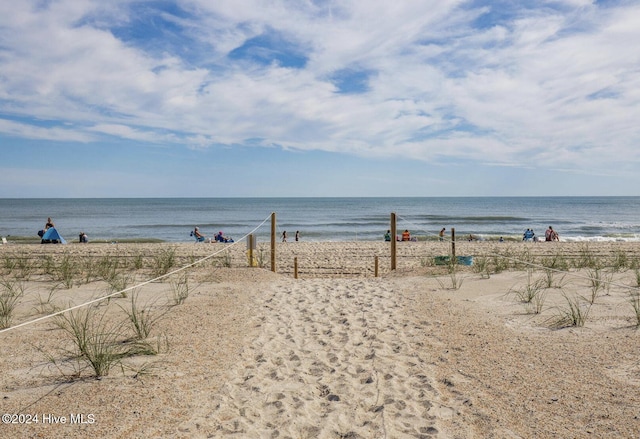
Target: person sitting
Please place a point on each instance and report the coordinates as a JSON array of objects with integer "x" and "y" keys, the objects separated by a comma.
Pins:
[
  {"x": 551, "y": 235},
  {"x": 197, "y": 235},
  {"x": 221, "y": 238},
  {"x": 387, "y": 236},
  {"x": 406, "y": 236},
  {"x": 82, "y": 237}
]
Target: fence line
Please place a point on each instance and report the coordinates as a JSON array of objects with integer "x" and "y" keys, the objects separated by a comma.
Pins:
[
  {"x": 531, "y": 264},
  {"x": 108, "y": 296},
  {"x": 230, "y": 245}
]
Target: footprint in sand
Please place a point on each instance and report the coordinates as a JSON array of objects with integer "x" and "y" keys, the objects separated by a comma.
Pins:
[{"x": 335, "y": 358}]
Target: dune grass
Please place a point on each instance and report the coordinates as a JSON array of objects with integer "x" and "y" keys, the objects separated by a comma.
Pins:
[
  {"x": 143, "y": 318},
  {"x": 634, "y": 301},
  {"x": 99, "y": 342},
  {"x": 573, "y": 314},
  {"x": 11, "y": 292},
  {"x": 532, "y": 295},
  {"x": 180, "y": 288}
]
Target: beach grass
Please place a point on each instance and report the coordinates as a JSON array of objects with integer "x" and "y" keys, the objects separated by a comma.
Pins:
[
  {"x": 143, "y": 318},
  {"x": 634, "y": 301},
  {"x": 99, "y": 341},
  {"x": 11, "y": 292},
  {"x": 164, "y": 261},
  {"x": 574, "y": 313},
  {"x": 96, "y": 338},
  {"x": 180, "y": 288},
  {"x": 532, "y": 295}
]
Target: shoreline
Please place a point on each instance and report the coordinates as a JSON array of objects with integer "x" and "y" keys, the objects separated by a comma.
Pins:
[{"x": 617, "y": 238}]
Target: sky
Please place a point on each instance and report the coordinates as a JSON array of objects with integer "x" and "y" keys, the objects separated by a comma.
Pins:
[{"x": 295, "y": 98}]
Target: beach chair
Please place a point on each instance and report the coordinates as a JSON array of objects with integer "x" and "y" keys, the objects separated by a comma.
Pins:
[
  {"x": 4, "y": 241},
  {"x": 198, "y": 239}
]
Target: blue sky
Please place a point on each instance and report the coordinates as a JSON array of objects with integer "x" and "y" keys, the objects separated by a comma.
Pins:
[{"x": 319, "y": 98}]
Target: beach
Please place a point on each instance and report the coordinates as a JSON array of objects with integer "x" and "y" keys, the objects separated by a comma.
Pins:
[{"x": 422, "y": 351}]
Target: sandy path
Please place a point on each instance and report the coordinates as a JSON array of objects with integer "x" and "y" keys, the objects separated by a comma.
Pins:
[{"x": 335, "y": 358}]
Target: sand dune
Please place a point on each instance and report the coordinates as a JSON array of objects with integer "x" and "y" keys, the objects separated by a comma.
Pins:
[{"x": 253, "y": 354}]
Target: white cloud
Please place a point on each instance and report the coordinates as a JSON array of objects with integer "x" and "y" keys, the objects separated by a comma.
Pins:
[
  {"x": 541, "y": 85},
  {"x": 28, "y": 131}
]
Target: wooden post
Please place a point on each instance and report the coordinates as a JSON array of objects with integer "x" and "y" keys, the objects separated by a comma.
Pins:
[
  {"x": 273, "y": 242},
  {"x": 251, "y": 245},
  {"x": 375, "y": 269},
  {"x": 393, "y": 240},
  {"x": 453, "y": 245},
  {"x": 295, "y": 267}
]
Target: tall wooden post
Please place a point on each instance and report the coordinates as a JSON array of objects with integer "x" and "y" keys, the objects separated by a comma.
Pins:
[
  {"x": 251, "y": 244},
  {"x": 453, "y": 245},
  {"x": 295, "y": 267},
  {"x": 375, "y": 266},
  {"x": 393, "y": 240},
  {"x": 273, "y": 242}
]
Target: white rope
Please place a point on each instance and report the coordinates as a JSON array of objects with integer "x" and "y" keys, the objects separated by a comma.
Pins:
[{"x": 199, "y": 261}]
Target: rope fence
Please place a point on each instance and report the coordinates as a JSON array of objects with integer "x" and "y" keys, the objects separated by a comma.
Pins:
[
  {"x": 139, "y": 285},
  {"x": 319, "y": 263}
]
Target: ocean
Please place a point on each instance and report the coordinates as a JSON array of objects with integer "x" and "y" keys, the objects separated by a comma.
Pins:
[{"x": 325, "y": 219}]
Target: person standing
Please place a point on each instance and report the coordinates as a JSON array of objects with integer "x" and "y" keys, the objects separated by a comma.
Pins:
[
  {"x": 284, "y": 236},
  {"x": 297, "y": 235},
  {"x": 442, "y": 234}
]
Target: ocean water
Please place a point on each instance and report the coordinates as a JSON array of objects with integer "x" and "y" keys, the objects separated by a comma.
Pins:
[{"x": 326, "y": 219}]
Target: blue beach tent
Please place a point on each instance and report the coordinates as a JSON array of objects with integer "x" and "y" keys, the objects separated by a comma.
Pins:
[{"x": 52, "y": 236}]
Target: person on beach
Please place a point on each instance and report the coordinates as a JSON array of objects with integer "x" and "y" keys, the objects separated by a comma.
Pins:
[
  {"x": 82, "y": 237},
  {"x": 441, "y": 234},
  {"x": 48, "y": 225},
  {"x": 297, "y": 235},
  {"x": 221, "y": 238},
  {"x": 284, "y": 236},
  {"x": 406, "y": 236},
  {"x": 387, "y": 236},
  {"x": 199, "y": 236},
  {"x": 551, "y": 235},
  {"x": 528, "y": 235}
]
